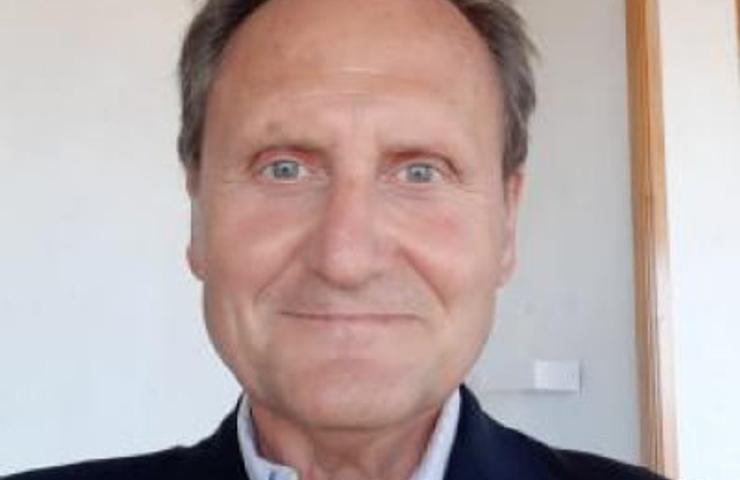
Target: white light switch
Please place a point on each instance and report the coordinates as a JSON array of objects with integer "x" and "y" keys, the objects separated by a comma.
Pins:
[{"x": 552, "y": 376}]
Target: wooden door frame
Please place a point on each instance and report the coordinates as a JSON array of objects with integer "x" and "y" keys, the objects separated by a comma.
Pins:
[
  {"x": 737, "y": 21},
  {"x": 653, "y": 321}
]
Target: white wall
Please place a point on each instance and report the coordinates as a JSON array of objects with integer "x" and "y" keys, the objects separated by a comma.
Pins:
[
  {"x": 102, "y": 351},
  {"x": 702, "y": 110},
  {"x": 572, "y": 298}
]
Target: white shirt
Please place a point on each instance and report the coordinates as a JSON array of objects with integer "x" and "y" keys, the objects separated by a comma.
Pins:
[{"x": 432, "y": 467}]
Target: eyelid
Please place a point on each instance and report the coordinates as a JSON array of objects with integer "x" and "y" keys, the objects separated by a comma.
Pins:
[
  {"x": 264, "y": 158},
  {"x": 268, "y": 156}
]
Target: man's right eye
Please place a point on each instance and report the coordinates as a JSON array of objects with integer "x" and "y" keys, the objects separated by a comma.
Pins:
[{"x": 283, "y": 170}]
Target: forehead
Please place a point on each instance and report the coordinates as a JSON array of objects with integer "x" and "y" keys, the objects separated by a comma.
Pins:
[{"x": 415, "y": 50}]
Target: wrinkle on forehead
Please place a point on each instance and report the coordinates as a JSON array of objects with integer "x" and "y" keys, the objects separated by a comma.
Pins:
[
  {"x": 356, "y": 83},
  {"x": 393, "y": 119}
]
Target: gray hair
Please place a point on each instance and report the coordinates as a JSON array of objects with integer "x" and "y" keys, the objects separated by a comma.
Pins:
[{"x": 496, "y": 21}]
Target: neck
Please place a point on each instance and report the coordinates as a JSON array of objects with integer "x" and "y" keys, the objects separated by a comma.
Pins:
[{"x": 390, "y": 453}]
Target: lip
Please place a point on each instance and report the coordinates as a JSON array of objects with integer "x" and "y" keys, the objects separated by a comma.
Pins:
[{"x": 343, "y": 317}]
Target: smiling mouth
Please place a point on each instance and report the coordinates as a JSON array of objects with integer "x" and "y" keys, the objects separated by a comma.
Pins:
[{"x": 341, "y": 317}]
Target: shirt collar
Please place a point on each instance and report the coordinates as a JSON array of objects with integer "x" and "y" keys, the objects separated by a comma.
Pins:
[{"x": 432, "y": 467}]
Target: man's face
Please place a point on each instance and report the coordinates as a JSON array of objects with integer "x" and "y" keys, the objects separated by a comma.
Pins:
[{"x": 350, "y": 222}]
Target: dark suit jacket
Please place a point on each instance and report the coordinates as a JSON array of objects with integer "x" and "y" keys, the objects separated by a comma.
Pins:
[{"x": 483, "y": 450}]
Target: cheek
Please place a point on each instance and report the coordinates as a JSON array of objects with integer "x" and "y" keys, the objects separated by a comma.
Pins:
[
  {"x": 247, "y": 243},
  {"x": 454, "y": 251},
  {"x": 249, "y": 240},
  {"x": 454, "y": 247}
]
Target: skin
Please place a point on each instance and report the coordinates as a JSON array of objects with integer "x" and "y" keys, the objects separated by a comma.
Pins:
[{"x": 351, "y": 225}]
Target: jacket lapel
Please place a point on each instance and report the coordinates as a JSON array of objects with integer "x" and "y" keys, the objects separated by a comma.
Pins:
[
  {"x": 218, "y": 456},
  {"x": 486, "y": 450}
]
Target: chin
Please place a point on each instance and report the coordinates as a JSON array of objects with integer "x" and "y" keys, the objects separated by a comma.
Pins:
[{"x": 354, "y": 395}]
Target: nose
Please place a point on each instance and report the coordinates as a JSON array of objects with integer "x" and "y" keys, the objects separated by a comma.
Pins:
[{"x": 345, "y": 247}]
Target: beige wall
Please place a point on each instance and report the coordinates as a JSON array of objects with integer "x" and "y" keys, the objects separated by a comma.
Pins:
[
  {"x": 572, "y": 297},
  {"x": 102, "y": 350}
]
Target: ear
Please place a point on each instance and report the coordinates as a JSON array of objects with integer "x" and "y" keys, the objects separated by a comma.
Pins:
[
  {"x": 513, "y": 187},
  {"x": 194, "y": 253}
]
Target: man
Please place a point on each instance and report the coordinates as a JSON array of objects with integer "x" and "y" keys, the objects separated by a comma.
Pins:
[{"x": 355, "y": 168}]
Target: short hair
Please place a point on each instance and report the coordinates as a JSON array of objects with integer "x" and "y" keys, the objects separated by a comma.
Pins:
[{"x": 496, "y": 21}]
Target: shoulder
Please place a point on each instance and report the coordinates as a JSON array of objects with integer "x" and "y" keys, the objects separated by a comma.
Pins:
[
  {"x": 486, "y": 449},
  {"x": 217, "y": 456},
  {"x": 154, "y": 465},
  {"x": 569, "y": 464},
  {"x": 561, "y": 464}
]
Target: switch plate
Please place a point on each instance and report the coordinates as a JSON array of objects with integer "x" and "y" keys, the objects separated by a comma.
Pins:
[{"x": 556, "y": 376}]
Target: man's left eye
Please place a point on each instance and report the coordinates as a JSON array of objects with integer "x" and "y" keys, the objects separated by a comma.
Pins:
[{"x": 419, "y": 173}]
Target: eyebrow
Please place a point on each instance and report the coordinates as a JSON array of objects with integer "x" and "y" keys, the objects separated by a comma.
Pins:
[
  {"x": 272, "y": 133},
  {"x": 405, "y": 149},
  {"x": 275, "y": 134}
]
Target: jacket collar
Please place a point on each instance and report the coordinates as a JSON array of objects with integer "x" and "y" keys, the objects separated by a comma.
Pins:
[
  {"x": 486, "y": 450},
  {"x": 218, "y": 456},
  {"x": 483, "y": 449}
]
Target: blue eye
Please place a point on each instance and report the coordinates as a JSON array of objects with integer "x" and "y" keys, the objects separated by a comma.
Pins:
[
  {"x": 284, "y": 170},
  {"x": 419, "y": 173}
]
